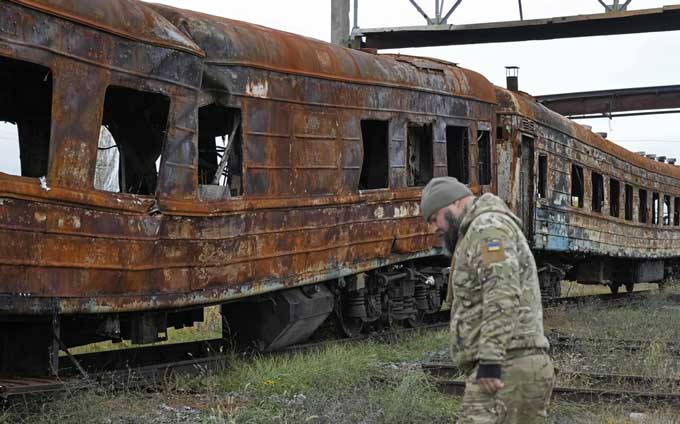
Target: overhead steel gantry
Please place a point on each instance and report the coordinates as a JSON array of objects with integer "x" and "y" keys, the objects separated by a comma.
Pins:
[
  {"x": 615, "y": 103},
  {"x": 616, "y": 19}
]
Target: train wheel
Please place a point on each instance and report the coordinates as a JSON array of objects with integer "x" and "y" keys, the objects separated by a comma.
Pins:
[
  {"x": 417, "y": 321},
  {"x": 350, "y": 327},
  {"x": 630, "y": 287},
  {"x": 614, "y": 287}
]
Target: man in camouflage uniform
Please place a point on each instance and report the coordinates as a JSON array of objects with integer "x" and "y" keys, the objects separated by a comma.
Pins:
[{"x": 496, "y": 316}]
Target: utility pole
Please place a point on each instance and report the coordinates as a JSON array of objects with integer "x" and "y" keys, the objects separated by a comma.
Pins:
[{"x": 340, "y": 22}]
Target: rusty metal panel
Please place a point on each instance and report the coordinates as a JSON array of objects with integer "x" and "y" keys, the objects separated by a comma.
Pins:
[
  {"x": 231, "y": 43},
  {"x": 351, "y": 150},
  {"x": 316, "y": 153},
  {"x": 268, "y": 158},
  {"x": 398, "y": 152},
  {"x": 126, "y": 18}
]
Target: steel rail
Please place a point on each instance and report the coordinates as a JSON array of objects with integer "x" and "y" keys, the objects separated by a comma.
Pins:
[
  {"x": 449, "y": 371},
  {"x": 583, "y": 395},
  {"x": 561, "y": 342}
]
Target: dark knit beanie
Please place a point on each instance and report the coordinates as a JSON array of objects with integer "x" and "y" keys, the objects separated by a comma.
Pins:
[{"x": 439, "y": 193}]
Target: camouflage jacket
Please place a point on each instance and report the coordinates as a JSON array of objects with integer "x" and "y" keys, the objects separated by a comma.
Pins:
[{"x": 496, "y": 297}]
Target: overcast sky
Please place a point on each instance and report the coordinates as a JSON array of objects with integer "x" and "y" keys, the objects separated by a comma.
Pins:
[{"x": 555, "y": 66}]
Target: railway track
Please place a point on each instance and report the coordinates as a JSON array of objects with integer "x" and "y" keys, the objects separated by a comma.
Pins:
[
  {"x": 446, "y": 378},
  {"x": 608, "y": 299},
  {"x": 147, "y": 366},
  {"x": 564, "y": 343}
]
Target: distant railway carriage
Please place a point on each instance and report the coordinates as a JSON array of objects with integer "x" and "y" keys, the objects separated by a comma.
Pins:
[
  {"x": 593, "y": 211},
  {"x": 171, "y": 160}
]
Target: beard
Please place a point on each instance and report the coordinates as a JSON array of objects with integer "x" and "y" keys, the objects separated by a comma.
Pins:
[{"x": 450, "y": 237}]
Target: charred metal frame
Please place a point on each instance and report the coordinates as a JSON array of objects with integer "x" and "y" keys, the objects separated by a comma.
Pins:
[
  {"x": 301, "y": 219},
  {"x": 568, "y": 235}
]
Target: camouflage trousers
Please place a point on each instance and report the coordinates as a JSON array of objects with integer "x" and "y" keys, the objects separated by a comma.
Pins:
[{"x": 528, "y": 384}]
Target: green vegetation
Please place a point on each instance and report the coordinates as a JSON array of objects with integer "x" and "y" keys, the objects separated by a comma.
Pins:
[
  {"x": 369, "y": 382},
  {"x": 376, "y": 382}
]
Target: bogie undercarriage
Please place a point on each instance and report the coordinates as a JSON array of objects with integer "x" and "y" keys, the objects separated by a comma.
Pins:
[{"x": 404, "y": 294}]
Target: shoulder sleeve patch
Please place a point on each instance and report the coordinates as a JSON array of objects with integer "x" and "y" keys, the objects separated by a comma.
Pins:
[{"x": 493, "y": 252}]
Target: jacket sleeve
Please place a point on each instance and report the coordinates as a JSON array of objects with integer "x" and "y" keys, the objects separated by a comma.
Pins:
[{"x": 498, "y": 272}]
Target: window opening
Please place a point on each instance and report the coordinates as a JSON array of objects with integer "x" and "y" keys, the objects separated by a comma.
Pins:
[
  {"x": 655, "y": 208},
  {"x": 576, "y": 186},
  {"x": 375, "y": 169},
  {"x": 25, "y": 118},
  {"x": 597, "y": 183},
  {"x": 499, "y": 132},
  {"x": 614, "y": 197},
  {"x": 458, "y": 153},
  {"x": 666, "y": 210},
  {"x": 220, "y": 151},
  {"x": 542, "y": 176},
  {"x": 643, "y": 206},
  {"x": 484, "y": 149},
  {"x": 137, "y": 122},
  {"x": 676, "y": 211},
  {"x": 629, "y": 202},
  {"x": 420, "y": 160}
]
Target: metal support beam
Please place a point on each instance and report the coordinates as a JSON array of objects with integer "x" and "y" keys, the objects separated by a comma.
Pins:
[
  {"x": 521, "y": 12},
  {"x": 450, "y": 12},
  {"x": 616, "y": 7},
  {"x": 420, "y": 10},
  {"x": 439, "y": 17},
  {"x": 610, "y": 103},
  {"x": 340, "y": 22},
  {"x": 625, "y": 115},
  {"x": 666, "y": 18}
]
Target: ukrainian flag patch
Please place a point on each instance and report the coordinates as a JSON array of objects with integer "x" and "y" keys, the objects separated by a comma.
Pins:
[
  {"x": 493, "y": 246},
  {"x": 493, "y": 252}
]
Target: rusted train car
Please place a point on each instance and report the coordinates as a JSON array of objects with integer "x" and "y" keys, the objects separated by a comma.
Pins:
[
  {"x": 172, "y": 160},
  {"x": 593, "y": 211}
]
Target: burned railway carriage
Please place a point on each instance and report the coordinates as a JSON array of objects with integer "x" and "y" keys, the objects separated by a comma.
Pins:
[
  {"x": 191, "y": 160},
  {"x": 593, "y": 211},
  {"x": 171, "y": 160}
]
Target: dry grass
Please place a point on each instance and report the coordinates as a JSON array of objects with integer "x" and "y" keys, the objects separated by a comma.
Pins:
[
  {"x": 369, "y": 382},
  {"x": 375, "y": 382}
]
